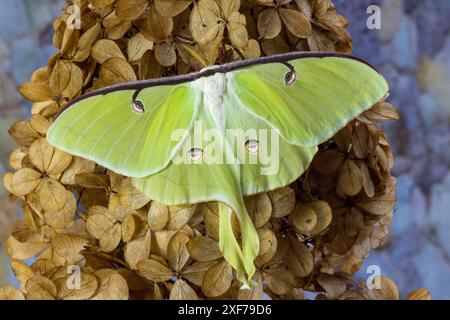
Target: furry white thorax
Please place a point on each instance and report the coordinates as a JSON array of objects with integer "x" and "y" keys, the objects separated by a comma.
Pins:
[{"x": 214, "y": 88}]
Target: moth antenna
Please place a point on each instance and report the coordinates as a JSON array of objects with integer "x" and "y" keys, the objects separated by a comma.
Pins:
[{"x": 291, "y": 76}]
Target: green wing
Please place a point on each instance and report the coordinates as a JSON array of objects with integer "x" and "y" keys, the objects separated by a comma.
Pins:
[
  {"x": 191, "y": 182},
  {"x": 327, "y": 94},
  {"x": 103, "y": 128}
]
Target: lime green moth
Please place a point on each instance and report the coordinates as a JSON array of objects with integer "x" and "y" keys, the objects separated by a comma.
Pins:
[{"x": 305, "y": 98}]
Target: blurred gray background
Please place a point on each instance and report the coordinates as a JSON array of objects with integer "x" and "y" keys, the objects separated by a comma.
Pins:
[{"x": 412, "y": 49}]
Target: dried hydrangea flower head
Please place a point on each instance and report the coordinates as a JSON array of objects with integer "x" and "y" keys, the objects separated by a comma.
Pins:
[{"x": 127, "y": 246}]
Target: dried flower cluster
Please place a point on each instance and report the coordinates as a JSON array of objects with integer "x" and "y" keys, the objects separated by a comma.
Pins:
[{"x": 314, "y": 234}]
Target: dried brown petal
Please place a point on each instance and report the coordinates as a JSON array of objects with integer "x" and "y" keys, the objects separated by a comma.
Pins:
[
  {"x": 154, "y": 270},
  {"x": 296, "y": 22},
  {"x": 160, "y": 241},
  {"x": 133, "y": 280},
  {"x": 117, "y": 31},
  {"x": 130, "y": 225},
  {"x": 303, "y": 218},
  {"x": 22, "y": 272},
  {"x": 283, "y": 202},
  {"x": 204, "y": 249},
  {"x": 237, "y": 32},
  {"x": 158, "y": 216},
  {"x": 40, "y": 288},
  {"x": 166, "y": 54},
  {"x": 77, "y": 166},
  {"x": 204, "y": 24},
  {"x": 211, "y": 220},
  {"x": 25, "y": 181},
  {"x": 379, "y": 205},
  {"x": 116, "y": 70},
  {"x": 10, "y": 293},
  {"x": 52, "y": 195},
  {"x": 95, "y": 180},
  {"x": 42, "y": 266},
  {"x": 382, "y": 111},
  {"x": 279, "y": 280},
  {"x": 368, "y": 185},
  {"x": 228, "y": 7},
  {"x": 105, "y": 49},
  {"x": 389, "y": 290},
  {"x": 130, "y": 9},
  {"x": 41, "y": 153},
  {"x": 39, "y": 123},
  {"x": 66, "y": 79},
  {"x": 217, "y": 279},
  {"x": 131, "y": 197},
  {"x": 252, "y": 50},
  {"x": 171, "y": 8},
  {"x": 299, "y": 259},
  {"x": 256, "y": 292},
  {"x": 69, "y": 246},
  {"x": 269, "y": 24},
  {"x": 333, "y": 285},
  {"x": 419, "y": 294},
  {"x": 88, "y": 286},
  {"x": 137, "y": 250},
  {"x": 195, "y": 272},
  {"x": 328, "y": 162},
  {"x": 110, "y": 239},
  {"x": 24, "y": 250},
  {"x": 179, "y": 216},
  {"x": 267, "y": 246},
  {"x": 23, "y": 133},
  {"x": 350, "y": 179},
  {"x": 182, "y": 291},
  {"x": 7, "y": 180},
  {"x": 274, "y": 46},
  {"x": 324, "y": 215},
  {"x": 111, "y": 285},
  {"x": 137, "y": 46},
  {"x": 156, "y": 28},
  {"x": 36, "y": 91},
  {"x": 259, "y": 208},
  {"x": 98, "y": 221},
  {"x": 48, "y": 159},
  {"x": 65, "y": 217},
  {"x": 84, "y": 45},
  {"x": 177, "y": 253},
  {"x": 16, "y": 157}
]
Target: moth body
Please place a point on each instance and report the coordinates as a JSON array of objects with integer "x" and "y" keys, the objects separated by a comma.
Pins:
[{"x": 214, "y": 89}]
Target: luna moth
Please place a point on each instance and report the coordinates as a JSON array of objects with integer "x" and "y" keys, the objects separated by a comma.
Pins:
[{"x": 304, "y": 98}]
